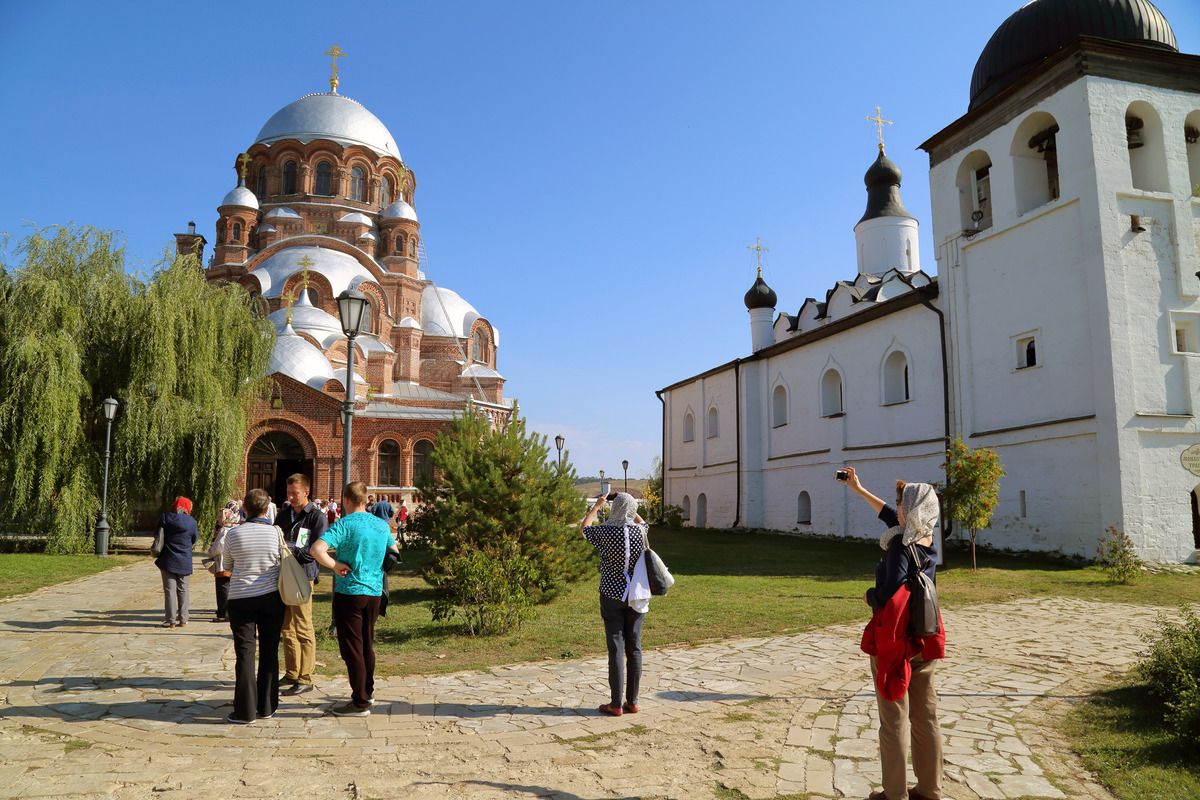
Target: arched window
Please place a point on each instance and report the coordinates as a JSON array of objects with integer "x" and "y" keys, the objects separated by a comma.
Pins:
[
  {"x": 804, "y": 509},
  {"x": 289, "y": 177},
  {"x": 389, "y": 463},
  {"x": 324, "y": 179},
  {"x": 975, "y": 191},
  {"x": 260, "y": 183},
  {"x": 1191, "y": 140},
  {"x": 687, "y": 509},
  {"x": 1147, "y": 153},
  {"x": 237, "y": 232},
  {"x": 831, "y": 393},
  {"x": 422, "y": 462},
  {"x": 367, "y": 324},
  {"x": 400, "y": 244},
  {"x": 1035, "y": 161},
  {"x": 689, "y": 427},
  {"x": 358, "y": 184},
  {"x": 711, "y": 428},
  {"x": 412, "y": 247},
  {"x": 779, "y": 406},
  {"x": 385, "y": 191},
  {"x": 479, "y": 346},
  {"x": 895, "y": 378},
  {"x": 701, "y": 511}
]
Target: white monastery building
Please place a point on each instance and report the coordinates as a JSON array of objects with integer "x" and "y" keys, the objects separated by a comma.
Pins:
[{"x": 1062, "y": 328}]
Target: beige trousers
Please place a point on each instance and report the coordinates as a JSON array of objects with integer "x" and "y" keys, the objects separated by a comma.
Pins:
[
  {"x": 914, "y": 716},
  {"x": 299, "y": 643}
]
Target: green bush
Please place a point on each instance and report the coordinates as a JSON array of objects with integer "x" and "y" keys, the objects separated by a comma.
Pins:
[
  {"x": 1118, "y": 556},
  {"x": 485, "y": 588},
  {"x": 1171, "y": 668}
]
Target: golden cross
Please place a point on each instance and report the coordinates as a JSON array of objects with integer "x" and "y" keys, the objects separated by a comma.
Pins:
[
  {"x": 306, "y": 262},
  {"x": 758, "y": 249},
  {"x": 403, "y": 179},
  {"x": 289, "y": 298},
  {"x": 879, "y": 123},
  {"x": 335, "y": 53},
  {"x": 243, "y": 162}
]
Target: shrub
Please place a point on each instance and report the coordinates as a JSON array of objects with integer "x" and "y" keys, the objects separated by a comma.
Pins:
[
  {"x": 1171, "y": 668},
  {"x": 485, "y": 588},
  {"x": 1118, "y": 556},
  {"x": 972, "y": 487}
]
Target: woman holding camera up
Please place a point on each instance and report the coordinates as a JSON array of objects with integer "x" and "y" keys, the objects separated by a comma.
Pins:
[
  {"x": 624, "y": 594},
  {"x": 902, "y": 665}
]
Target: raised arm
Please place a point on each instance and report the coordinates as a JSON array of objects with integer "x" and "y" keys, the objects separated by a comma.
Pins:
[{"x": 590, "y": 516}]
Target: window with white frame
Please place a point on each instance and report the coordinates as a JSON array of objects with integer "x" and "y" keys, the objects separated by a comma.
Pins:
[
  {"x": 712, "y": 429},
  {"x": 1186, "y": 333},
  {"x": 1027, "y": 351},
  {"x": 779, "y": 406},
  {"x": 831, "y": 393},
  {"x": 895, "y": 378}
]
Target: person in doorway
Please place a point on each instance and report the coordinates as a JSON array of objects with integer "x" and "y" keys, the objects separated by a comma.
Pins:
[
  {"x": 402, "y": 521},
  {"x": 227, "y": 520},
  {"x": 902, "y": 667},
  {"x": 175, "y": 561},
  {"x": 255, "y": 611},
  {"x": 624, "y": 595},
  {"x": 302, "y": 522},
  {"x": 360, "y": 541}
]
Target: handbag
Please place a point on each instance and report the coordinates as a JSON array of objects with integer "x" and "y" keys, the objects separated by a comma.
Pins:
[
  {"x": 156, "y": 547},
  {"x": 924, "y": 618},
  {"x": 659, "y": 576},
  {"x": 294, "y": 586}
]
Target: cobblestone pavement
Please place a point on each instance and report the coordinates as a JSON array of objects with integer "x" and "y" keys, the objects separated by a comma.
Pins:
[{"x": 97, "y": 701}]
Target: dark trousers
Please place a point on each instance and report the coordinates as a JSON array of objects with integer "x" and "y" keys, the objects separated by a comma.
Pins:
[
  {"x": 355, "y": 616},
  {"x": 622, "y": 632},
  {"x": 222, "y": 595},
  {"x": 253, "y": 696}
]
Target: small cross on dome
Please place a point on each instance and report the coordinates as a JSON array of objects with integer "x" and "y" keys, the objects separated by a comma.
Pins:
[
  {"x": 879, "y": 123},
  {"x": 758, "y": 249}
]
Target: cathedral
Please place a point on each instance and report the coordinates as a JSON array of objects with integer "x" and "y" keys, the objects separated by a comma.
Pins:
[
  {"x": 1061, "y": 326},
  {"x": 324, "y": 203}
]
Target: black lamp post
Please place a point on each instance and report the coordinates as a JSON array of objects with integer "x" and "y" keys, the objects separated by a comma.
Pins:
[
  {"x": 102, "y": 528},
  {"x": 352, "y": 305},
  {"x": 603, "y": 491},
  {"x": 625, "y": 466},
  {"x": 559, "y": 441}
]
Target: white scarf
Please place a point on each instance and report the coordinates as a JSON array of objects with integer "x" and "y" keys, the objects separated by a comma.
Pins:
[{"x": 920, "y": 507}]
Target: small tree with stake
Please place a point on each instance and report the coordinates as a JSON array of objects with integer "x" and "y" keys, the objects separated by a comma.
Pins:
[{"x": 972, "y": 487}]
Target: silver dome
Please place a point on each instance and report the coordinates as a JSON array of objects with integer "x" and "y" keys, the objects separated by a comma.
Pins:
[
  {"x": 282, "y": 213},
  {"x": 357, "y": 218},
  {"x": 329, "y": 116},
  {"x": 300, "y": 360},
  {"x": 481, "y": 371},
  {"x": 341, "y": 270},
  {"x": 241, "y": 196},
  {"x": 400, "y": 210},
  {"x": 267, "y": 227},
  {"x": 455, "y": 320}
]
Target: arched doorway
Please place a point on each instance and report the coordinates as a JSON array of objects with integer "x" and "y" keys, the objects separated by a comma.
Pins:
[
  {"x": 701, "y": 511},
  {"x": 273, "y": 457}
]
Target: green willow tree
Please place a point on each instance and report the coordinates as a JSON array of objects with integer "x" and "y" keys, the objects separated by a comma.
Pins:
[{"x": 185, "y": 360}]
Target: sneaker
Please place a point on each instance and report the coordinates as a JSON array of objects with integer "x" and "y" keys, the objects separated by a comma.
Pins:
[
  {"x": 351, "y": 710},
  {"x": 297, "y": 688},
  {"x": 610, "y": 709},
  {"x": 266, "y": 716},
  {"x": 236, "y": 721},
  {"x": 630, "y": 708}
]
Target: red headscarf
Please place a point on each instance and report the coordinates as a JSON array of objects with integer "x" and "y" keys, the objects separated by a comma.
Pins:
[{"x": 184, "y": 504}]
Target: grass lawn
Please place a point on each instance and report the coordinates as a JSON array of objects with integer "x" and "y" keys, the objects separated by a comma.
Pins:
[
  {"x": 24, "y": 572},
  {"x": 1121, "y": 737},
  {"x": 729, "y": 585}
]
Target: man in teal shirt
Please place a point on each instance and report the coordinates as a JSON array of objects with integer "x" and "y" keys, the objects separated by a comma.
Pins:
[{"x": 360, "y": 540}]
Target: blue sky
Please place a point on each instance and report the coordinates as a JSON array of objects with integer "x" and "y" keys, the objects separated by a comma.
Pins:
[{"x": 588, "y": 174}]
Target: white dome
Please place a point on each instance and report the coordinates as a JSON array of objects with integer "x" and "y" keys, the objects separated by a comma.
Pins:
[
  {"x": 400, "y": 210},
  {"x": 481, "y": 371},
  {"x": 241, "y": 196},
  {"x": 340, "y": 374},
  {"x": 356, "y": 218},
  {"x": 267, "y": 227},
  {"x": 297, "y": 358},
  {"x": 323, "y": 327},
  {"x": 281, "y": 213},
  {"x": 329, "y": 116},
  {"x": 341, "y": 270},
  {"x": 454, "y": 320},
  {"x": 408, "y": 322}
]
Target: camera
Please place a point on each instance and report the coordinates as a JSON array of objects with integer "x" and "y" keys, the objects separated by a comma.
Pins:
[
  {"x": 611, "y": 496},
  {"x": 841, "y": 475}
]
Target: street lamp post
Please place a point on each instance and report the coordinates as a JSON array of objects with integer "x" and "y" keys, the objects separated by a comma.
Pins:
[
  {"x": 102, "y": 528},
  {"x": 603, "y": 491},
  {"x": 559, "y": 441},
  {"x": 352, "y": 305},
  {"x": 625, "y": 466}
]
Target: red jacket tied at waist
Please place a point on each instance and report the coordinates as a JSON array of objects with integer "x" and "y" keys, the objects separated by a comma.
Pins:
[{"x": 886, "y": 637}]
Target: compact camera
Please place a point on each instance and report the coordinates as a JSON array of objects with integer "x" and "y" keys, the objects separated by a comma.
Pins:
[{"x": 841, "y": 475}]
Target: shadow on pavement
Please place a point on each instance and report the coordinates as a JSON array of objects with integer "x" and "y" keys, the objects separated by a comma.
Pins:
[{"x": 708, "y": 697}]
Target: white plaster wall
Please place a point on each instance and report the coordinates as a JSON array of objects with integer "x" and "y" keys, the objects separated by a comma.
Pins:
[
  {"x": 704, "y": 465},
  {"x": 887, "y": 243}
]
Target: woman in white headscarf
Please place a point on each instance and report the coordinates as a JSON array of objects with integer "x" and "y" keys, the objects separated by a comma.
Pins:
[
  {"x": 912, "y": 718},
  {"x": 624, "y": 594}
]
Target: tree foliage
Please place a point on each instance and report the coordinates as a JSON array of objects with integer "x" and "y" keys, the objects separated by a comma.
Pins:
[
  {"x": 184, "y": 359},
  {"x": 496, "y": 491},
  {"x": 972, "y": 487}
]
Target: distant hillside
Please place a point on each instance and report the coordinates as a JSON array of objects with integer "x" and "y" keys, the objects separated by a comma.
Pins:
[{"x": 592, "y": 487}]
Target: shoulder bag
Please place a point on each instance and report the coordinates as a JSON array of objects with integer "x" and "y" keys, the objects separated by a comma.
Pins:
[
  {"x": 156, "y": 547},
  {"x": 923, "y": 616},
  {"x": 294, "y": 586},
  {"x": 660, "y": 577}
]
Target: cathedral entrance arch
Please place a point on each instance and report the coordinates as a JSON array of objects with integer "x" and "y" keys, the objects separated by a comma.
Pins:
[{"x": 273, "y": 457}]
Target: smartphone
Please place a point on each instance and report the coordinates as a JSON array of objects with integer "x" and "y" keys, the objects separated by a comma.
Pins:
[{"x": 841, "y": 475}]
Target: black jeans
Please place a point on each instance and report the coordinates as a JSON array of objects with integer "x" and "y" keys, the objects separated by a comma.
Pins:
[
  {"x": 355, "y": 615},
  {"x": 262, "y": 615},
  {"x": 622, "y": 632},
  {"x": 222, "y": 588}
]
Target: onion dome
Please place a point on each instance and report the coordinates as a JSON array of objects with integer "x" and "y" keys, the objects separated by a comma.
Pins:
[
  {"x": 445, "y": 313},
  {"x": 1041, "y": 28},
  {"x": 760, "y": 295},
  {"x": 883, "y": 190},
  {"x": 299, "y": 359},
  {"x": 400, "y": 210},
  {"x": 329, "y": 116},
  {"x": 241, "y": 196}
]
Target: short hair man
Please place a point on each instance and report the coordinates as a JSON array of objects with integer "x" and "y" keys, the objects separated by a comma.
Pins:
[
  {"x": 360, "y": 540},
  {"x": 302, "y": 522}
]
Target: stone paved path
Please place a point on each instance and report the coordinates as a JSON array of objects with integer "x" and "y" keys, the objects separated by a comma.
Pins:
[{"x": 97, "y": 701}]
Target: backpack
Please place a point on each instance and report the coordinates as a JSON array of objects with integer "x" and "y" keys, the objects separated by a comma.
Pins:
[{"x": 923, "y": 616}]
